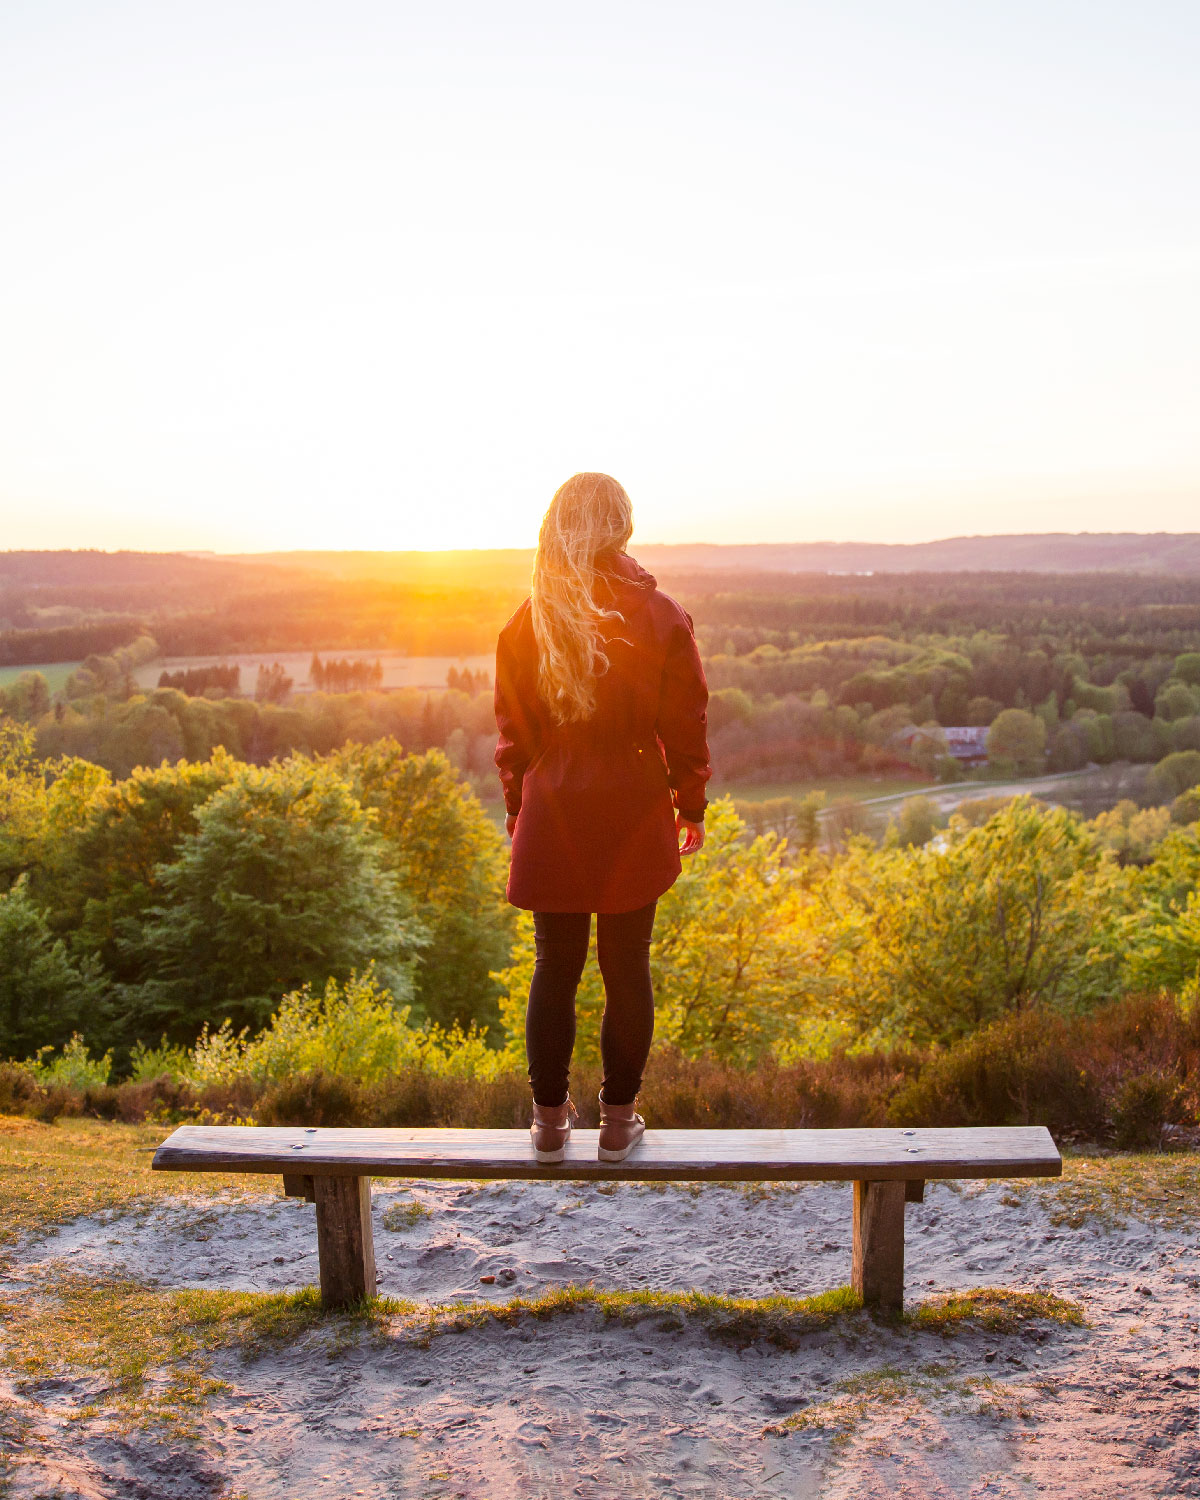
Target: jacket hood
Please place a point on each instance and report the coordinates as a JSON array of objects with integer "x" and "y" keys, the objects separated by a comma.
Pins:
[{"x": 621, "y": 576}]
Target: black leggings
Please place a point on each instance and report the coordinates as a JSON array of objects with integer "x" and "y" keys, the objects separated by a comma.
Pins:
[{"x": 623, "y": 951}]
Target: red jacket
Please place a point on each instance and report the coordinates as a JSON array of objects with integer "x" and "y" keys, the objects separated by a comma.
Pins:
[{"x": 596, "y": 800}]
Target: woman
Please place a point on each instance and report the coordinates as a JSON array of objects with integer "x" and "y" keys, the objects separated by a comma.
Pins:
[{"x": 601, "y": 707}]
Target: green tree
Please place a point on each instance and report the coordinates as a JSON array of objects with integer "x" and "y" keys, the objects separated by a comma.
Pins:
[
  {"x": 982, "y": 710},
  {"x": 796, "y": 819},
  {"x": 1017, "y": 740},
  {"x": 1174, "y": 775},
  {"x": 40, "y": 801},
  {"x": 283, "y": 884},
  {"x": 931, "y": 943},
  {"x": 26, "y": 699},
  {"x": 918, "y": 819},
  {"x": 1132, "y": 832},
  {"x": 1187, "y": 668},
  {"x": 1175, "y": 700},
  {"x": 1184, "y": 734},
  {"x": 451, "y": 861},
  {"x": 1186, "y": 807},
  {"x": 1160, "y": 938},
  {"x": 45, "y": 995},
  {"x": 106, "y": 869}
]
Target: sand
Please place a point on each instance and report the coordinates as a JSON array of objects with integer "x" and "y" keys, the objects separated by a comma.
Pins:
[{"x": 575, "y": 1405}]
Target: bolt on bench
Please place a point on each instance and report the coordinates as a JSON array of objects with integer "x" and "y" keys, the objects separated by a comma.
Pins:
[{"x": 333, "y": 1169}]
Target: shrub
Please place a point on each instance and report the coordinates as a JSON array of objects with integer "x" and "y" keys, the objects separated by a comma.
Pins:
[
  {"x": 1018, "y": 1071},
  {"x": 158, "y": 1098},
  {"x": 73, "y": 1068},
  {"x": 1081, "y": 1075},
  {"x": 18, "y": 1089},
  {"x": 313, "y": 1099},
  {"x": 22, "y": 1094},
  {"x": 163, "y": 1061},
  {"x": 1186, "y": 807},
  {"x": 1143, "y": 1104},
  {"x": 1173, "y": 775},
  {"x": 352, "y": 1030}
]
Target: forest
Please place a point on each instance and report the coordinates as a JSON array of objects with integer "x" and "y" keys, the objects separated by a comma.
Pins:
[
  {"x": 812, "y": 675},
  {"x": 229, "y": 933},
  {"x": 212, "y": 894}
]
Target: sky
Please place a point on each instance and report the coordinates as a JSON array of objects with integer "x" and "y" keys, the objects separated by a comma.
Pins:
[{"x": 382, "y": 275}]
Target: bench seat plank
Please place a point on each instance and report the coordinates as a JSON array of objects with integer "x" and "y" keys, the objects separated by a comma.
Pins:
[{"x": 882, "y": 1154}]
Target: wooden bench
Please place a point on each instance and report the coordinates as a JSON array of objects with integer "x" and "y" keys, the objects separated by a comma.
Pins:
[{"x": 889, "y": 1167}]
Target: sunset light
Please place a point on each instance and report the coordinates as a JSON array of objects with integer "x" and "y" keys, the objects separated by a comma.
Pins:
[
  {"x": 599, "y": 749},
  {"x": 381, "y": 277}
]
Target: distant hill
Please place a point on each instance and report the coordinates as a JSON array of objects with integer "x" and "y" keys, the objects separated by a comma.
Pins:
[
  {"x": 1044, "y": 552},
  {"x": 1050, "y": 552},
  {"x": 131, "y": 581}
]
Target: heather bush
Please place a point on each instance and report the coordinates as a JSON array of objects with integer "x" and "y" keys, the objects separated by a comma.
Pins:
[
  {"x": 1020, "y": 1070},
  {"x": 1129, "y": 1066},
  {"x": 313, "y": 1099},
  {"x": 1143, "y": 1103},
  {"x": 19, "y": 1090},
  {"x": 1119, "y": 1072}
]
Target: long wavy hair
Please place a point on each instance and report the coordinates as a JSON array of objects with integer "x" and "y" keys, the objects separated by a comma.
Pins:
[{"x": 590, "y": 514}]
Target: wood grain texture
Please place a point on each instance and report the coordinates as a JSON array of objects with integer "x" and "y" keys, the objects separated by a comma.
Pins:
[
  {"x": 877, "y": 1258},
  {"x": 345, "y": 1245},
  {"x": 914, "y": 1190},
  {"x": 299, "y": 1186},
  {"x": 662, "y": 1155}
]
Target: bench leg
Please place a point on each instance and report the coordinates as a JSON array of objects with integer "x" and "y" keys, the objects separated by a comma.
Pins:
[
  {"x": 878, "y": 1259},
  {"x": 298, "y": 1186},
  {"x": 344, "y": 1242}
]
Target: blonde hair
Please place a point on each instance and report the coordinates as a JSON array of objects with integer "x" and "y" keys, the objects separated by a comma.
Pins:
[{"x": 589, "y": 514}]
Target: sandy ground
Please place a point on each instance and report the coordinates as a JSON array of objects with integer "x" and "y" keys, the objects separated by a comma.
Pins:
[{"x": 576, "y": 1406}]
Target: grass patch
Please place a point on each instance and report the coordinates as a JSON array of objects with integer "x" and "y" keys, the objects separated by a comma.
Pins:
[
  {"x": 840, "y": 1417},
  {"x": 145, "y": 1355},
  {"x": 399, "y": 1217},
  {"x": 50, "y": 1174},
  {"x": 781, "y": 1320},
  {"x": 995, "y": 1308},
  {"x": 858, "y": 1397},
  {"x": 1109, "y": 1190}
]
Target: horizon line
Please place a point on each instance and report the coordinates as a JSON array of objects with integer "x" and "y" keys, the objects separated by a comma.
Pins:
[{"x": 727, "y": 546}]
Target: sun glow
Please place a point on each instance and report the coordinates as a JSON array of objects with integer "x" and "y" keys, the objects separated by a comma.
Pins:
[{"x": 358, "y": 282}]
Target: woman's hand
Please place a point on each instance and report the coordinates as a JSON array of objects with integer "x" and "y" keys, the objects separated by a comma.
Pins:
[
  {"x": 510, "y": 823},
  {"x": 693, "y": 835}
]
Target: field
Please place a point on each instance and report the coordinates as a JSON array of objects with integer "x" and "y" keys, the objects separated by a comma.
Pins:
[
  {"x": 55, "y": 673},
  {"x": 887, "y": 792},
  {"x": 835, "y": 788},
  {"x": 399, "y": 669}
]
